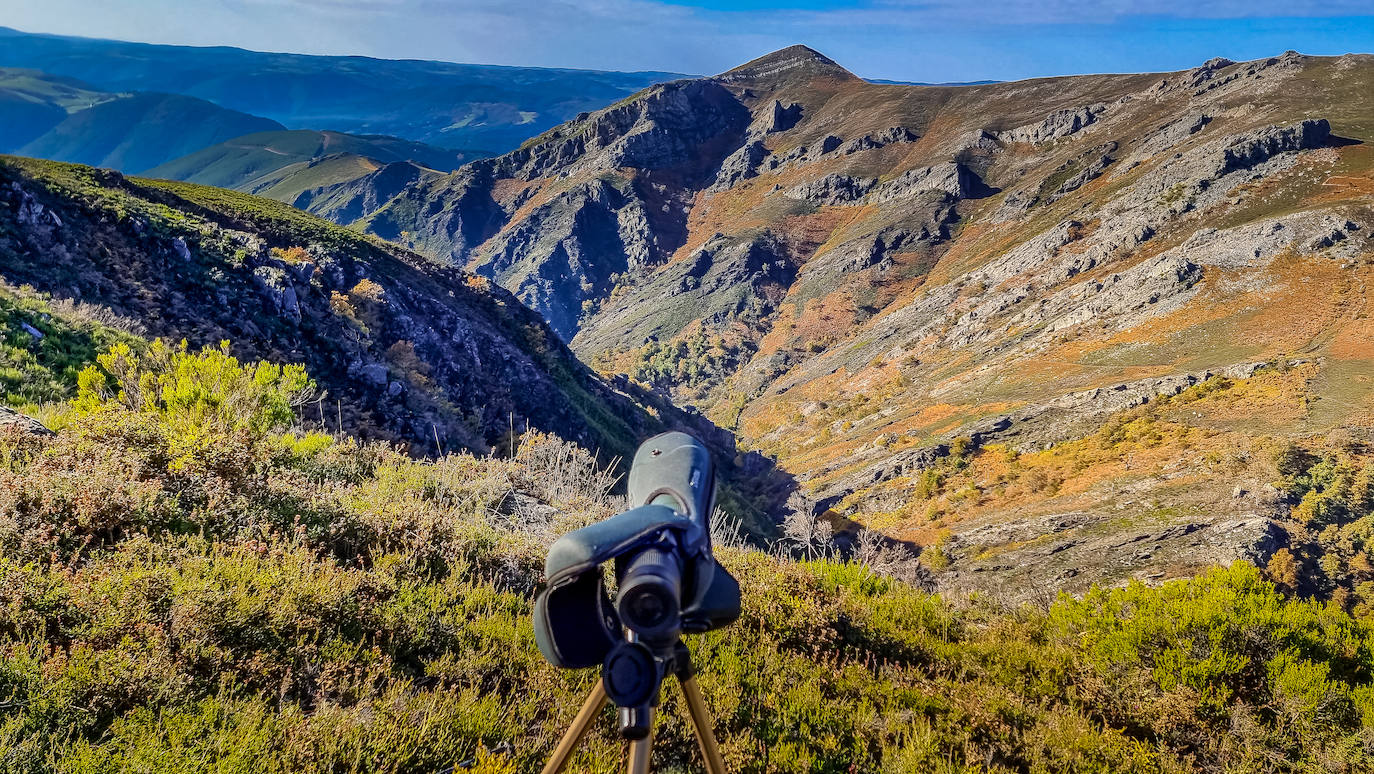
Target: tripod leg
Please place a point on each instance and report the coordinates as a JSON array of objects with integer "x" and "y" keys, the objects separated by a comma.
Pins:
[
  {"x": 701, "y": 725},
  {"x": 640, "y": 749},
  {"x": 585, "y": 717}
]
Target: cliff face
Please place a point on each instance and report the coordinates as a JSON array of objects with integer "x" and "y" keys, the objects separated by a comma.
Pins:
[
  {"x": 855, "y": 276},
  {"x": 577, "y": 209}
]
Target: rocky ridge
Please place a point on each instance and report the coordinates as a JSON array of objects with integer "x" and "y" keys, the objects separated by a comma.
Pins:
[{"x": 827, "y": 265}]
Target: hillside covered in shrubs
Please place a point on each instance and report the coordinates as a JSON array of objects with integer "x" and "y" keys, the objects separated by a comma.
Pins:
[
  {"x": 190, "y": 581},
  {"x": 407, "y": 350},
  {"x": 402, "y": 349}
]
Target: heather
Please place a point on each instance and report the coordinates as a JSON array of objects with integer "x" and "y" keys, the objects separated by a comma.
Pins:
[{"x": 235, "y": 593}]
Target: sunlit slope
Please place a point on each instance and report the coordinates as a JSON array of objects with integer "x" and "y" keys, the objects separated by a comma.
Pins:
[
  {"x": 407, "y": 350},
  {"x": 855, "y": 276}
]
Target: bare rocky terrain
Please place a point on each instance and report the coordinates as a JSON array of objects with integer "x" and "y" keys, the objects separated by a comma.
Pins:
[{"x": 855, "y": 276}]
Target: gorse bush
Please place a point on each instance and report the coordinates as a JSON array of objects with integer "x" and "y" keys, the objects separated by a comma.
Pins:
[
  {"x": 1197, "y": 656},
  {"x": 162, "y": 439},
  {"x": 208, "y": 389},
  {"x": 285, "y": 602}
]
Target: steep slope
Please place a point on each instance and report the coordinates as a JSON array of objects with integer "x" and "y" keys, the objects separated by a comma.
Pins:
[
  {"x": 441, "y": 103},
  {"x": 882, "y": 284},
  {"x": 346, "y": 189},
  {"x": 339, "y": 176},
  {"x": 407, "y": 351},
  {"x": 140, "y": 131},
  {"x": 556, "y": 221}
]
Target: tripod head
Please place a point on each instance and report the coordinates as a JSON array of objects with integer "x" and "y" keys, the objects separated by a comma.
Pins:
[{"x": 667, "y": 580}]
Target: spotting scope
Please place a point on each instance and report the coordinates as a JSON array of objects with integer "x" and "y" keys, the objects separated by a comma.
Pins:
[{"x": 667, "y": 584}]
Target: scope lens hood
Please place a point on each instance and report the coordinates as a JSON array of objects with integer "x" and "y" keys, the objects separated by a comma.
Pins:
[{"x": 574, "y": 623}]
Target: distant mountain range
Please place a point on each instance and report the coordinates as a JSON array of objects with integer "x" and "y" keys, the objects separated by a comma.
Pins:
[
  {"x": 342, "y": 176},
  {"x": 66, "y": 119},
  {"x": 360, "y": 129},
  {"x": 439, "y": 103}
]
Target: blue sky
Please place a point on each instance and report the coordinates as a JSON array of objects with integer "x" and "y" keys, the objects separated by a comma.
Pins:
[{"x": 919, "y": 40}]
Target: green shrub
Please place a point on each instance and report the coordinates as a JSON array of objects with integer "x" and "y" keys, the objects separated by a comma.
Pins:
[
  {"x": 195, "y": 392},
  {"x": 1224, "y": 646},
  {"x": 187, "y": 585}
]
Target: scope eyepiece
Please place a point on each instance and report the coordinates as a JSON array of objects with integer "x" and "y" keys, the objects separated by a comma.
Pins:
[
  {"x": 647, "y": 605},
  {"x": 650, "y": 598}
]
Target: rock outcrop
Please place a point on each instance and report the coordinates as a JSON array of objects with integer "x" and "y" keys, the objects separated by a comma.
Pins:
[
  {"x": 953, "y": 178},
  {"x": 13, "y": 421},
  {"x": 1060, "y": 123},
  {"x": 833, "y": 189}
]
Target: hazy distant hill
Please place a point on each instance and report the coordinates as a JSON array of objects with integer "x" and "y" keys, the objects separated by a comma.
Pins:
[
  {"x": 243, "y": 161},
  {"x": 61, "y": 118},
  {"x": 342, "y": 176},
  {"x": 453, "y": 105},
  {"x": 33, "y": 102},
  {"x": 184, "y": 138},
  {"x": 135, "y": 132}
]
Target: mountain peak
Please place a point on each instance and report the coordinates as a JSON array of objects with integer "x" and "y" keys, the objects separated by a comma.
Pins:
[{"x": 788, "y": 64}]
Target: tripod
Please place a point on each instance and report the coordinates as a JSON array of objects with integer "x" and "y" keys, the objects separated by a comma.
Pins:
[{"x": 681, "y": 667}]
